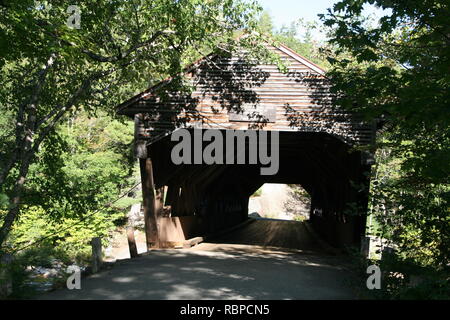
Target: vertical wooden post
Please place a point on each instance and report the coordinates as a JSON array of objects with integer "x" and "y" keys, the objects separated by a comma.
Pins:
[
  {"x": 159, "y": 201},
  {"x": 132, "y": 242},
  {"x": 149, "y": 203},
  {"x": 97, "y": 259},
  {"x": 365, "y": 246},
  {"x": 5, "y": 275},
  {"x": 140, "y": 145}
]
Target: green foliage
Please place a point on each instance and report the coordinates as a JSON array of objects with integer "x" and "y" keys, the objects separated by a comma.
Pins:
[
  {"x": 299, "y": 218},
  {"x": 71, "y": 236},
  {"x": 404, "y": 279},
  {"x": 124, "y": 45},
  {"x": 396, "y": 73},
  {"x": 412, "y": 214},
  {"x": 257, "y": 193},
  {"x": 301, "y": 42},
  {"x": 86, "y": 163},
  {"x": 4, "y": 201},
  {"x": 24, "y": 285},
  {"x": 265, "y": 23},
  {"x": 42, "y": 256},
  {"x": 19, "y": 277},
  {"x": 300, "y": 193},
  {"x": 52, "y": 73},
  {"x": 63, "y": 155}
]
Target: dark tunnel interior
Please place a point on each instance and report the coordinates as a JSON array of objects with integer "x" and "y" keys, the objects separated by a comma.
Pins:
[{"x": 334, "y": 175}]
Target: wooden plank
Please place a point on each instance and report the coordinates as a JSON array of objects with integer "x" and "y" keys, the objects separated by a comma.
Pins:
[
  {"x": 97, "y": 256},
  {"x": 192, "y": 242},
  {"x": 140, "y": 146},
  {"x": 149, "y": 203},
  {"x": 6, "y": 281},
  {"x": 132, "y": 242},
  {"x": 301, "y": 87},
  {"x": 250, "y": 112},
  {"x": 159, "y": 201}
]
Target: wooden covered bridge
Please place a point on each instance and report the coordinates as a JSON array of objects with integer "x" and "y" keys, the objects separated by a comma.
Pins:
[{"x": 316, "y": 145}]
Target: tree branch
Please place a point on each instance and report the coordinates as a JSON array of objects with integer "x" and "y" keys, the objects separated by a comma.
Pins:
[
  {"x": 100, "y": 58},
  {"x": 29, "y": 128}
]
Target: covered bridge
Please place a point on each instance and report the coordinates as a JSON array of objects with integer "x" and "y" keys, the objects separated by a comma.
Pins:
[{"x": 316, "y": 145}]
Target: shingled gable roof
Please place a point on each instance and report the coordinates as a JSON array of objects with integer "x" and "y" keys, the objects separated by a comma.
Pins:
[{"x": 195, "y": 65}]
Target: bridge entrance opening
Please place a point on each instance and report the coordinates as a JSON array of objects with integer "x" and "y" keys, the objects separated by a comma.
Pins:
[
  {"x": 209, "y": 198},
  {"x": 280, "y": 202}
]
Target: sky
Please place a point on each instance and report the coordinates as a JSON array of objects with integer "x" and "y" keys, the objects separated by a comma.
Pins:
[
  {"x": 283, "y": 12},
  {"x": 286, "y": 11}
]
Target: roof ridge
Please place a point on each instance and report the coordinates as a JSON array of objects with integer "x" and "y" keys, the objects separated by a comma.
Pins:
[{"x": 301, "y": 58}]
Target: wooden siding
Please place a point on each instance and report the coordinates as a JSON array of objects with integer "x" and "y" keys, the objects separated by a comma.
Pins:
[{"x": 227, "y": 90}]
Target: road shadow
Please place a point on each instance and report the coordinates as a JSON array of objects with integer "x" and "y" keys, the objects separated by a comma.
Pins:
[{"x": 218, "y": 271}]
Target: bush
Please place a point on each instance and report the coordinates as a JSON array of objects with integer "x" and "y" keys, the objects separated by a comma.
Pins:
[
  {"x": 402, "y": 279},
  {"x": 65, "y": 241}
]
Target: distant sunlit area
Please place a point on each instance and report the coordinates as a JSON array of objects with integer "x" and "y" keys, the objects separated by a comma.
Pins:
[{"x": 280, "y": 201}]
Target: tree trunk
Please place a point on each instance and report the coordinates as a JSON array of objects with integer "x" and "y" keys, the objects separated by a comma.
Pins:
[
  {"x": 29, "y": 145},
  {"x": 14, "y": 210}
]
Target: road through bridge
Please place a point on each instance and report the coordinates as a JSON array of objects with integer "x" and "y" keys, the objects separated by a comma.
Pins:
[{"x": 265, "y": 259}]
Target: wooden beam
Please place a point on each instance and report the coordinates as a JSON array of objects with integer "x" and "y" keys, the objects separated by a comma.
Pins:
[
  {"x": 97, "y": 259},
  {"x": 6, "y": 281},
  {"x": 140, "y": 145},
  {"x": 132, "y": 242},
  {"x": 149, "y": 203},
  {"x": 159, "y": 201}
]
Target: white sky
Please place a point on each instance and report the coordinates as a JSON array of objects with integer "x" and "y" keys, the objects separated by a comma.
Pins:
[{"x": 284, "y": 12}]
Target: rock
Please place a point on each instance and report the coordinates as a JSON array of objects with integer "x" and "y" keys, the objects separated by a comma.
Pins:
[
  {"x": 108, "y": 251},
  {"x": 135, "y": 216},
  {"x": 254, "y": 215}
]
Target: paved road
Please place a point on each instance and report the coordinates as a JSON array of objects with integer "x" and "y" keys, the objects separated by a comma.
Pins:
[{"x": 242, "y": 265}]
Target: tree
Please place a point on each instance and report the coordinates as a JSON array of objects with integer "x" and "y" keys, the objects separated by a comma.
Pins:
[
  {"x": 88, "y": 163},
  {"x": 50, "y": 68},
  {"x": 266, "y": 23},
  {"x": 398, "y": 74},
  {"x": 302, "y": 43}
]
